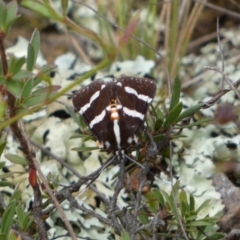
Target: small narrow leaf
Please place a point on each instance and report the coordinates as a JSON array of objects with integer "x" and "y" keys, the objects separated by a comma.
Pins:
[
  {"x": 35, "y": 42},
  {"x": 3, "y": 80},
  {"x": 27, "y": 221},
  {"x": 173, "y": 115},
  {"x": 129, "y": 31},
  {"x": 198, "y": 223},
  {"x": 12, "y": 9},
  {"x": 16, "y": 159},
  {"x": 2, "y": 147},
  {"x": 191, "y": 203},
  {"x": 14, "y": 87},
  {"x": 64, "y": 7},
  {"x": 190, "y": 111},
  {"x": 143, "y": 218},
  {"x": 2, "y": 164},
  {"x": 7, "y": 219},
  {"x": 79, "y": 136},
  {"x": 125, "y": 236},
  {"x": 37, "y": 7},
  {"x": 27, "y": 88},
  {"x": 46, "y": 69},
  {"x": 5, "y": 184},
  {"x": 35, "y": 100},
  {"x": 17, "y": 194},
  {"x": 30, "y": 57},
  {"x": 85, "y": 149},
  {"x": 20, "y": 215},
  {"x": 158, "y": 196},
  {"x": 12, "y": 236},
  {"x": 175, "y": 93},
  {"x": 16, "y": 64},
  {"x": 22, "y": 75},
  {"x": 48, "y": 89},
  {"x": 73, "y": 115}
]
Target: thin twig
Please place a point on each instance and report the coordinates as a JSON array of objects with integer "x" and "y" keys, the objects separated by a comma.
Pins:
[{"x": 56, "y": 203}]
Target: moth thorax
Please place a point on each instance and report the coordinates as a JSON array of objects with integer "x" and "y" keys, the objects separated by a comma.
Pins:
[{"x": 113, "y": 109}]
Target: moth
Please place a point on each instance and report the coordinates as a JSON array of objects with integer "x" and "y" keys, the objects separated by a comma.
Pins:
[{"x": 115, "y": 110}]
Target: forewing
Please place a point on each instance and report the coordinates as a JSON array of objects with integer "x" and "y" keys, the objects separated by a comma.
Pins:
[
  {"x": 90, "y": 102},
  {"x": 135, "y": 95}
]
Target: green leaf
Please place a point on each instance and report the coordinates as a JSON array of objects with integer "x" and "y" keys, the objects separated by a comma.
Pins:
[
  {"x": 30, "y": 57},
  {"x": 153, "y": 204},
  {"x": 158, "y": 124},
  {"x": 64, "y": 7},
  {"x": 197, "y": 123},
  {"x": 16, "y": 159},
  {"x": 27, "y": 221},
  {"x": 20, "y": 215},
  {"x": 191, "y": 203},
  {"x": 215, "y": 236},
  {"x": 183, "y": 203},
  {"x": 7, "y": 219},
  {"x": 44, "y": 10},
  {"x": 173, "y": 115},
  {"x": 3, "y": 107},
  {"x": 5, "y": 184},
  {"x": 35, "y": 42},
  {"x": 3, "y": 18},
  {"x": 85, "y": 149},
  {"x": 35, "y": 100},
  {"x": 143, "y": 218},
  {"x": 176, "y": 188},
  {"x": 175, "y": 93},
  {"x": 36, "y": 7},
  {"x": 11, "y": 236},
  {"x": 3, "y": 236},
  {"x": 45, "y": 69},
  {"x": 157, "y": 194},
  {"x": 79, "y": 135},
  {"x": 2, "y": 164},
  {"x": 2, "y": 147},
  {"x": 3, "y": 80},
  {"x": 191, "y": 218},
  {"x": 27, "y": 88},
  {"x": 48, "y": 89},
  {"x": 15, "y": 64},
  {"x": 125, "y": 236},
  {"x": 14, "y": 87},
  {"x": 198, "y": 223},
  {"x": 21, "y": 75},
  {"x": 17, "y": 194},
  {"x": 168, "y": 199},
  {"x": 190, "y": 111},
  {"x": 73, "y": 115},
  {"x": 2, "y": 15},
  {"x": 12, "y": 9},
  {"x": 36, "y": 81}
]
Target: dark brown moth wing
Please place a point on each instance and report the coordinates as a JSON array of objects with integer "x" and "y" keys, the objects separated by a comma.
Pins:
[
  {"x": 90, "y": 102},
  {"x": 135, "y": 95}
]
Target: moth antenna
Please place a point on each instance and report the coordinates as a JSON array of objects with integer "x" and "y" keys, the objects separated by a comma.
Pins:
[
  {"x": 134, "y": 161},
  {"x": 107, "y": 164},
  {"x": 140, "y": 165},
  {"x": 103, "y": 168}
]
